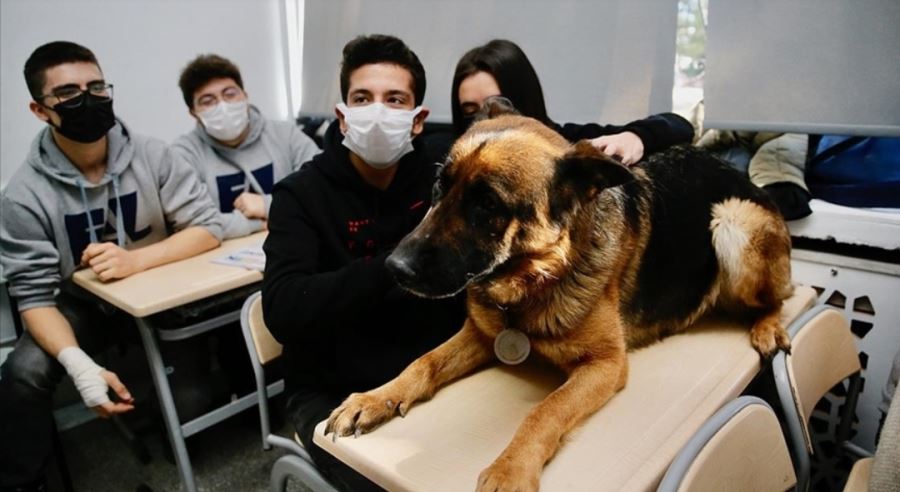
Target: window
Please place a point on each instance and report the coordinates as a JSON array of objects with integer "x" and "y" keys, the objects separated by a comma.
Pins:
[{"x": 690, "y": 56}]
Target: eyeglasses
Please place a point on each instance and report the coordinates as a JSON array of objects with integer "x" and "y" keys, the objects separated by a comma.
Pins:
[
  {"x": 470, "y": 111},
  {"x": 209, "y": 101},
  {"x": 72, "y": 94}
]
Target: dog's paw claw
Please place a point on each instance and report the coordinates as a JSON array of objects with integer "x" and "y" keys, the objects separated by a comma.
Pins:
[{"x": 361, "y": 413}]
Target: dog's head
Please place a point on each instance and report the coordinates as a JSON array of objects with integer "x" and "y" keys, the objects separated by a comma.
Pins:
[{"x": 503, "y": 205}]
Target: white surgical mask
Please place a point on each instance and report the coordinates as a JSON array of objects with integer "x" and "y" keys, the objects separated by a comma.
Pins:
[
  {"x": 378, "y": 134},
  {"x": 226, "y": 121}
]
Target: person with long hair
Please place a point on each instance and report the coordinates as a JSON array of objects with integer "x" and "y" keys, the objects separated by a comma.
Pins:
[{"x": 501, "y": 68}]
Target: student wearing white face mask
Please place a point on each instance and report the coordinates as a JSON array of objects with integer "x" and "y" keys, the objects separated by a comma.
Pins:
[
  {"x": 238, "y": 154},
  {"x": 345, "y": 324}
]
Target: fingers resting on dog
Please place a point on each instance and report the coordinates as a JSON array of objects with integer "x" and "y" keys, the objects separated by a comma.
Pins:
[{"x": 625, "y": 146}]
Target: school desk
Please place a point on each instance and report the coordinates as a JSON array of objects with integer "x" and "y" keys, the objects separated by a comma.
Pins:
[
  {"x": 673, "y": 387},
  {"x": 170, "y": 286}
]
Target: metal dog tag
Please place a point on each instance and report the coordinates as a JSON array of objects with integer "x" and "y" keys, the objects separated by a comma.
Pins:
[{"x": 512, "y": 346}]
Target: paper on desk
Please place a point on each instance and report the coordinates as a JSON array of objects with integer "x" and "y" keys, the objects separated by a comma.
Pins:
[{"x": 251, "y": 258}]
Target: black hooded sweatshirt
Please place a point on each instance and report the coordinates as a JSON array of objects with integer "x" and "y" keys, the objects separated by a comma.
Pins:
[
  {"x": 327, "y": 296},
  {"x": 657, "y": 132}
]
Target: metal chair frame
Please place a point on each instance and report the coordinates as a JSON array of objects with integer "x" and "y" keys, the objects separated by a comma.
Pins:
[{"x": 298, "y": 463}]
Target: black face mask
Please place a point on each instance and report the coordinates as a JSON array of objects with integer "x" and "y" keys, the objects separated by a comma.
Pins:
[{"x": 85, "y": 118}]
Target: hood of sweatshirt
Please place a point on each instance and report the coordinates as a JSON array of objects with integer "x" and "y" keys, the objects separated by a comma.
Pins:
[{"x": 47, "y": 159}]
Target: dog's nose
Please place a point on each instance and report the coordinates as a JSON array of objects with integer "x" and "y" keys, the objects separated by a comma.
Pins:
[{"x": 400, "y": 267}]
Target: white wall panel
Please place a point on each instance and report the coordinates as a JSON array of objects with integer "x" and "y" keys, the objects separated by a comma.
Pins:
[
  {"x": 598, "y": 60},
  {"x": 142, "y": 47}
]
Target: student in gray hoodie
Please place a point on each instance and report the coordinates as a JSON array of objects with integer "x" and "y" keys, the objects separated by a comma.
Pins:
[
  {"x": 238, "y": 154},
  {"x": 90, "y": 194}
]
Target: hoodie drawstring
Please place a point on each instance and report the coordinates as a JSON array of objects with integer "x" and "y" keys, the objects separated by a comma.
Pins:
[
  {"x": 274, "y": 151},
  {"x": 87, "y": 211},
  {"x": 120, "y": 221},
  {"x": 250, "y": 183}
]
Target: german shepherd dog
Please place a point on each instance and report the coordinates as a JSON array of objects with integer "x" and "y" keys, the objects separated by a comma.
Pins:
[{"x": 587, "y": 259}]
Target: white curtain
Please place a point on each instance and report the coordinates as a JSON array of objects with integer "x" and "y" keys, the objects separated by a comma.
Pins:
[
  {"x": 609, "y": 61},
  {"x": 806, "y": 66}
]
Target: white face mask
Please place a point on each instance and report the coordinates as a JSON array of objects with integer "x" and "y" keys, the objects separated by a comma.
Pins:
[
  {"x": 226, "y": 121},
  {"x": 378, "y": 134}
]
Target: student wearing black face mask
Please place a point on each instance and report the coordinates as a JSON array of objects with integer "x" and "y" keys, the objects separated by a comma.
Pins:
[
  {"x": 86, "y": 114},
  {"x": 90, "y": 194}
]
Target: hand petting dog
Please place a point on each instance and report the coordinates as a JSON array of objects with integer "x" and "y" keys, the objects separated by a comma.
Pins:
[{"x": 625, "y": 147}]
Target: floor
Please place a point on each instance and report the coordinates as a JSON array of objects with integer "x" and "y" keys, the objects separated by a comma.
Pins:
[{"x": 227, "y": 457}]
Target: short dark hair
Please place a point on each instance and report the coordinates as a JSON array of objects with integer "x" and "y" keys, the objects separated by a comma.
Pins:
[
  {"x": 48, "y": 56},
  {"x": 513, "y": 72},
  {"x": 201, "y": 70},
  {"x": 381, "y": 48}
]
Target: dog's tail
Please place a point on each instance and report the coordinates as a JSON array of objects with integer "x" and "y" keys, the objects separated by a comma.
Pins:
[{"x": 753, "y": 248}]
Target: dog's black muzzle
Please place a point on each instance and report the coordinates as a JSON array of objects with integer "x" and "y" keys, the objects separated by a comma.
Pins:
[{"x": 428, "y": 270}]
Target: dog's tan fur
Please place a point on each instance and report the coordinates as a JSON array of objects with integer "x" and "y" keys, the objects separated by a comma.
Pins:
[{"x": 564, "y": 283}]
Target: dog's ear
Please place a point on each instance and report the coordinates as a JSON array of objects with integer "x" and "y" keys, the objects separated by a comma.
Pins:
[
  {"x": 580, "y": 175},
  {"x": 495, "y": 106}
]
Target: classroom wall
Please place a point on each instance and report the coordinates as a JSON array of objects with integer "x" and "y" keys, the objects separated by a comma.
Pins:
[
  {"x": 142, "y": 47},
  {"x": 608, "y": 61}
]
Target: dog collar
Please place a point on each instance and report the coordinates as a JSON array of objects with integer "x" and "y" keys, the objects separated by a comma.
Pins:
[{"x": 512, "y": 346}]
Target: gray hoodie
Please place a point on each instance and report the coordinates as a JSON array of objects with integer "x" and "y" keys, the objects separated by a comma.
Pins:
[
  {"x": 271, "y": 151},
  {"x": 45, "y": 226}
]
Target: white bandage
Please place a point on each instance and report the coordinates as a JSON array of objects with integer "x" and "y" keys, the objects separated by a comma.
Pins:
[{"x": 85, "y": 374}]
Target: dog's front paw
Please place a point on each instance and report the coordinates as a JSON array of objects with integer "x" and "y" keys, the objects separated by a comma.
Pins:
[
  {"x": 768, "y": 336},
  {"x": 362, "y": 412},
  {"x": 507, "y": 475}
]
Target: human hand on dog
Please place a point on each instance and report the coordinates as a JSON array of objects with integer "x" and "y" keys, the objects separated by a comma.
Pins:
[
  {"x": 363, "y": 412},
  {"x": 625, "y": 146}
]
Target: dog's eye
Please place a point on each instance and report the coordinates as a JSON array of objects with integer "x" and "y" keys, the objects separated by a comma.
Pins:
[
  {"x": 488, "y": 203},
  {"x": 486, "y": 206}
]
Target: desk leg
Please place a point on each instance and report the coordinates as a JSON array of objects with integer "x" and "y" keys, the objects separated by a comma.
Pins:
[{"x": 170, "y": 416}]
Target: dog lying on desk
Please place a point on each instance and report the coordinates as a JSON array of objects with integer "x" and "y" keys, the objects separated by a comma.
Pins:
[{"x": 569, "y": 254}]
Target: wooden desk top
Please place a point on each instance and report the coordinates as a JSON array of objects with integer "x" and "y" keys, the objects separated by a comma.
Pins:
[
  {"x": 673, "y": 387},
  {"x": 174, "y": 284}
]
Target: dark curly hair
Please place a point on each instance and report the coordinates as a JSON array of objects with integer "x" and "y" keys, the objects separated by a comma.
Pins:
[
  {"x": 201, "y": 70},
  {"x": 381, "y": 48}
]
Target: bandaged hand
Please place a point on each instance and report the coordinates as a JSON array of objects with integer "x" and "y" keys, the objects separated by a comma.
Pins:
[
  {"x": 627, "y": 147},
  {"x": 85, "y": 373},
  {"x": 93, "y": 383}
]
